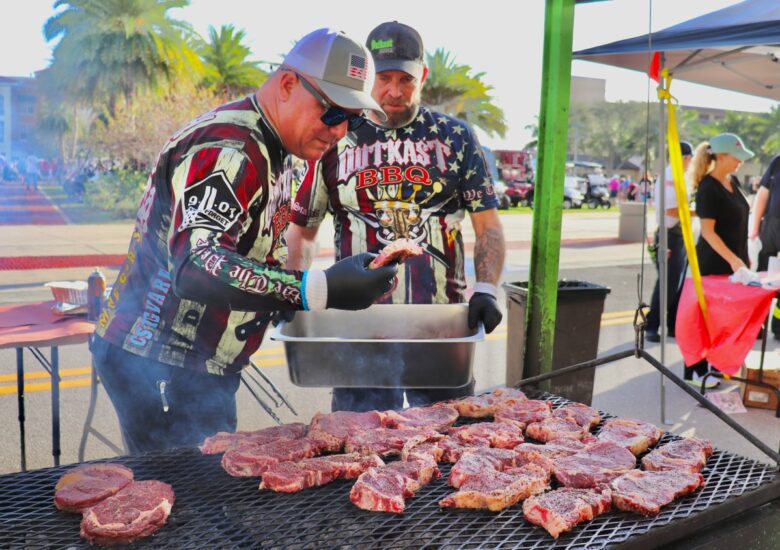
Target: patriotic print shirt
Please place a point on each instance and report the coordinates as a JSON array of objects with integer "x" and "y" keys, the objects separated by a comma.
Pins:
[
  {"x": 211, "y": 221},
  {"x": 414, "y": 182}
]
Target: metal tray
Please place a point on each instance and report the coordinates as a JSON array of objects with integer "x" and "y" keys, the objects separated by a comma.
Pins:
[{"x": 384, "y": 346}]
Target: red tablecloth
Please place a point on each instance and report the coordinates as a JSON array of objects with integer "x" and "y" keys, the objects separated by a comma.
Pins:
[
  {"x": 34, "y": 324},
  {"x": 736, "y": 313}
]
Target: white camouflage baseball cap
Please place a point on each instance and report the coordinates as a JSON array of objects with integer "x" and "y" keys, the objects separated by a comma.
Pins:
[{"x": 342, "y": 68}]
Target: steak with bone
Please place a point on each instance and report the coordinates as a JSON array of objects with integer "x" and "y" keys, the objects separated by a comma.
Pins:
[
  {"x": 597, "y": 464},
  {"x": 475, "y": 462},
  {"x": 522, "y": 413},
  {"x": 453, "y": 448},
  {"x": 136, "y": 511},
  {"x": 224, "y": 441},
  {"x": 426, "y": 451},
  {"x": 560, "y": 510},
  {"x": 497, "y": 434},
  {"x": 480, "y": 406},
  {"x": 634, "y": 435},
  {"x": 334, "y": 428},
  {"x": 397, "y": 251},
  {"x": 495, "y": 490},
  {"x": 646, "y": 492},
  {"x": 437, "y": 417},
  {"x": 689, "y": 455},
  {"x": 290, "y": 477},
  {"x": 555, "y": 428},
  {"x": 386, "y": 489},
  {"x": 87, "y": 485},
  {"x": 387, "y": 441},
  {"x": 585, "y": 416},
  {"x": 559, "y": 447},
  {"x": 253, "y": 460}
]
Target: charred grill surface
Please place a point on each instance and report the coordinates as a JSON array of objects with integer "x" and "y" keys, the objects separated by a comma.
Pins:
[{"x": 216, "y": 511}]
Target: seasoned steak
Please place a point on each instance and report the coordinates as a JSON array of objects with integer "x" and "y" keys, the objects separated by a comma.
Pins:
[
  {"x": 252, "y": 461},
  {"x": 634, "y": 435},
  {"x": 497, "y": 434},
  {"x": 522, "y": 413},
  {"x": 689, "y": 455},
  {"x": 224, "y": 441},
  {"x": 437, "y": 417},
  {"x": 480, "y": 406},
  {"x": 386, "y": 489},
  {"x": 560, "y": 510},
  {"x": 598, "y": 463},
  {"x": 560, "y": 447},
  {"x": 585, "y": 416},
  {"x": 494, "y": 490},
  {"x": 453, "y": 448},
  {"x": 334, "y": 428},
  {"x": 136, "y": 511},
  {"x": 646, "y": 492},
  {"x": 397, "y": 251},
  {"x": 85, "y": 486},
  {"x": 426, "y": 451},
  {"x": 555, "y": 428},
  {"x": 289, "y": 477},
  {"x": 388, "y": 441},
  {"x": 474, "y": 462}
]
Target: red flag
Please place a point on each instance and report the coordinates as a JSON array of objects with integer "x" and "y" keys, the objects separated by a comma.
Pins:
[{"x": 654, "y": 71}]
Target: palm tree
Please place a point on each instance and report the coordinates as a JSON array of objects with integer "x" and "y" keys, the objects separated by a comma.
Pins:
[
  {"x": 452, "y": 89},
  {"x": 110, "y": 48},
  {"x": 225, "y": 64}
]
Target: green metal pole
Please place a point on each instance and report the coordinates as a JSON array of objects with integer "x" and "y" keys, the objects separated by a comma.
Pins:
[{"x": 548, "y": 192}]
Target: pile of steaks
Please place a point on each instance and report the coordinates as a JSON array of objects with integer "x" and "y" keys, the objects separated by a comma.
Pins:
[
  {"x": 115, "y": 508},
  {"x": 392, "y": 454}
]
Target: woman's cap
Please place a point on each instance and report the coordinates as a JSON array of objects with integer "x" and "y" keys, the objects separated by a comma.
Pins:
[{"x": 731, "y": 144}]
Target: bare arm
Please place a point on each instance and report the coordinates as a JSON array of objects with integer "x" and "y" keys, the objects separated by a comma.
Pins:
[
  {"x": 759, "y": 208},
  {"x": 717, "y": 244},
  {"x": 489, "y": 248},
  {"x": 301, "y": 246}
]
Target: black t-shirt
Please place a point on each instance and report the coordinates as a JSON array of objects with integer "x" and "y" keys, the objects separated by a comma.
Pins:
[
  {"x": 730, "y": 211},
  {"x": 771, "y": 180}
]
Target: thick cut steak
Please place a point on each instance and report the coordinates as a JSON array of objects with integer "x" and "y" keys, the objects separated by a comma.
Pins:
[
  {"x": 252, "y": 461},
  {"x": 475, "y": 462},
  {"x": 585, "y": 416},
  {"x": 437, "y": 417},
  {"x": 555, "y": 428},
  {"x": 522, "y": 413},
  {"x": 85, "y": 486},
  {"x": 138, "y": 510},
  {"x": 560, "y": 510},
  {"x": 397, "y": 251},
  {"x": 560, "y": 447},
  {"x": 634, "y": 435},
  {"x": 480, "y": 406},
  {"x": 289, "y": 477},
  {"x": 689, "y": 455},
  {"x": 495, "y": 490},
  {"x": 386, "y": 489},
  {"x": 224, "y": 441},
  {"x": 388, "y": 441},
  {"x": 334, "y": 428},
  {"x": 497, "y": 434},
  {"x": 598, "y": 463},
  {"x": 646, "y": 492},
  {"x": 427, "y": 451},
  {"x": 453, "y": 449}
]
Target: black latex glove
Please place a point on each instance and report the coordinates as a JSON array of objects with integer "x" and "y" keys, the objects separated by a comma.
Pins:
[
  {"x": 287, "y": 316},
  {"x": 352, "y": 285},
  {"x": 484, "y": 307}
]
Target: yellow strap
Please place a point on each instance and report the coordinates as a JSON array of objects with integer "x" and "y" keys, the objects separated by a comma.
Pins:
[{"x": 675, "y": 159}]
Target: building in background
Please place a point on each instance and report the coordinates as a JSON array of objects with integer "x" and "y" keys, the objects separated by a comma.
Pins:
[{"x": 18, "y": 114}]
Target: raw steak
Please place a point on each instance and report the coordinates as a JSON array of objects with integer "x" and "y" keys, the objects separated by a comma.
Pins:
[
  {"x": 436, "y": 417},
  {"x": 387, "y": 441},
  {"x": 475, "y": 462},
  {"x": 689, "y": 455},
  {"x": 452, "y": 448},
  {"x": 598, "y": 463},
  {"x": 479, "y": 406},
  {"x": 85, "y": 486},
  {"x": 334, "y": 428},
  {"x": 523, "y": 413},
  {"x": 138, "y": 510},
  {"x": 560, "y": 510},
  {"x": 386, "y": 489},
  {"x": 555, "y": 428},
  {"x": 585, "y": 416},
  {"x": 289, "y": 477},
  {"x": 497, "y": 434},
  {"x": 495, "y": 490},
  {"x": 397, "y": 251},
  {"x": 559, "y": 447},
  {"x": 224, "y": 441},
  {"x": 252, "y": 461},
  {"x": 645, "y": 492},
  {"x": 634, "y": 435},
  {"x": 428, "y": 450}
]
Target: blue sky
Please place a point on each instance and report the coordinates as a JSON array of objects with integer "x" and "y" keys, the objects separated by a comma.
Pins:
[{"x": 502, "y": 39}]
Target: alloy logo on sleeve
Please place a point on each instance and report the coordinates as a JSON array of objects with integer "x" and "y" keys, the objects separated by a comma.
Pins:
[{"x": 210, "y": 204}]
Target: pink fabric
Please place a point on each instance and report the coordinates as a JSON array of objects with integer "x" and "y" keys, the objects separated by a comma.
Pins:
[{"x": 736, "y": 313}]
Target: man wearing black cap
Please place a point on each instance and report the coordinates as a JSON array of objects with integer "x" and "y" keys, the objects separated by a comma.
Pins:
[
  {"x": 412, "y": 176},
  {"x": 677, "y": 257}
]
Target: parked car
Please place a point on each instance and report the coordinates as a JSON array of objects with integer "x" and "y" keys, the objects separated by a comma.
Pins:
[
  {"x": 520, "y": 192},
  {"x": 573, "y": 196},
  {"x": 504, "y": 202},
  {"x": 597, "y": 193}
]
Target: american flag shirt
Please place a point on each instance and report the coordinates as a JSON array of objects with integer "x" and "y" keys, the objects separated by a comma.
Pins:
[
  {"x": 212, "y": 220},
  {"x": 414, "y": 182}
]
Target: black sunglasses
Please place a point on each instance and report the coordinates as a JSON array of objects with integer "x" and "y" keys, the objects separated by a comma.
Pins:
[{"x": 333, "y": 116}]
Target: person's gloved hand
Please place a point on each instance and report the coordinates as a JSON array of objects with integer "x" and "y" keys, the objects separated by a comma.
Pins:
[
  {"x": 286, "y": 315},
  {"x": 352, "y": 285},
  {"x": 484, "y": 307}
]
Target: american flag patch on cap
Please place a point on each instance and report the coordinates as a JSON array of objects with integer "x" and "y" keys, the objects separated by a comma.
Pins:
[{"x": 357, "y": 67}]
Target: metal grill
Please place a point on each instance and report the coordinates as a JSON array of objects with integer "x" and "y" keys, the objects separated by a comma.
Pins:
[{"x": 216, "y": 511}]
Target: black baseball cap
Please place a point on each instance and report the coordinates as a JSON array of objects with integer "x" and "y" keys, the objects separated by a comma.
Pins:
[
  {"x": 686, "y": 149},
  {"x": 395, "y": 46}
]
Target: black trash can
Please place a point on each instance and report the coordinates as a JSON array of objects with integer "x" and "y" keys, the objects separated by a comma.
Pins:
[{"x": 577, "y": 327}]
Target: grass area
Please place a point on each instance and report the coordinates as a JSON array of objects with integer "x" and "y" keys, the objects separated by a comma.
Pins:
[{"x": 78, "y": 212}]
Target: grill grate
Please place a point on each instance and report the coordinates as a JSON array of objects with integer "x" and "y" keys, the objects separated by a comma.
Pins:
[{"x": 216, "y": 511}]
